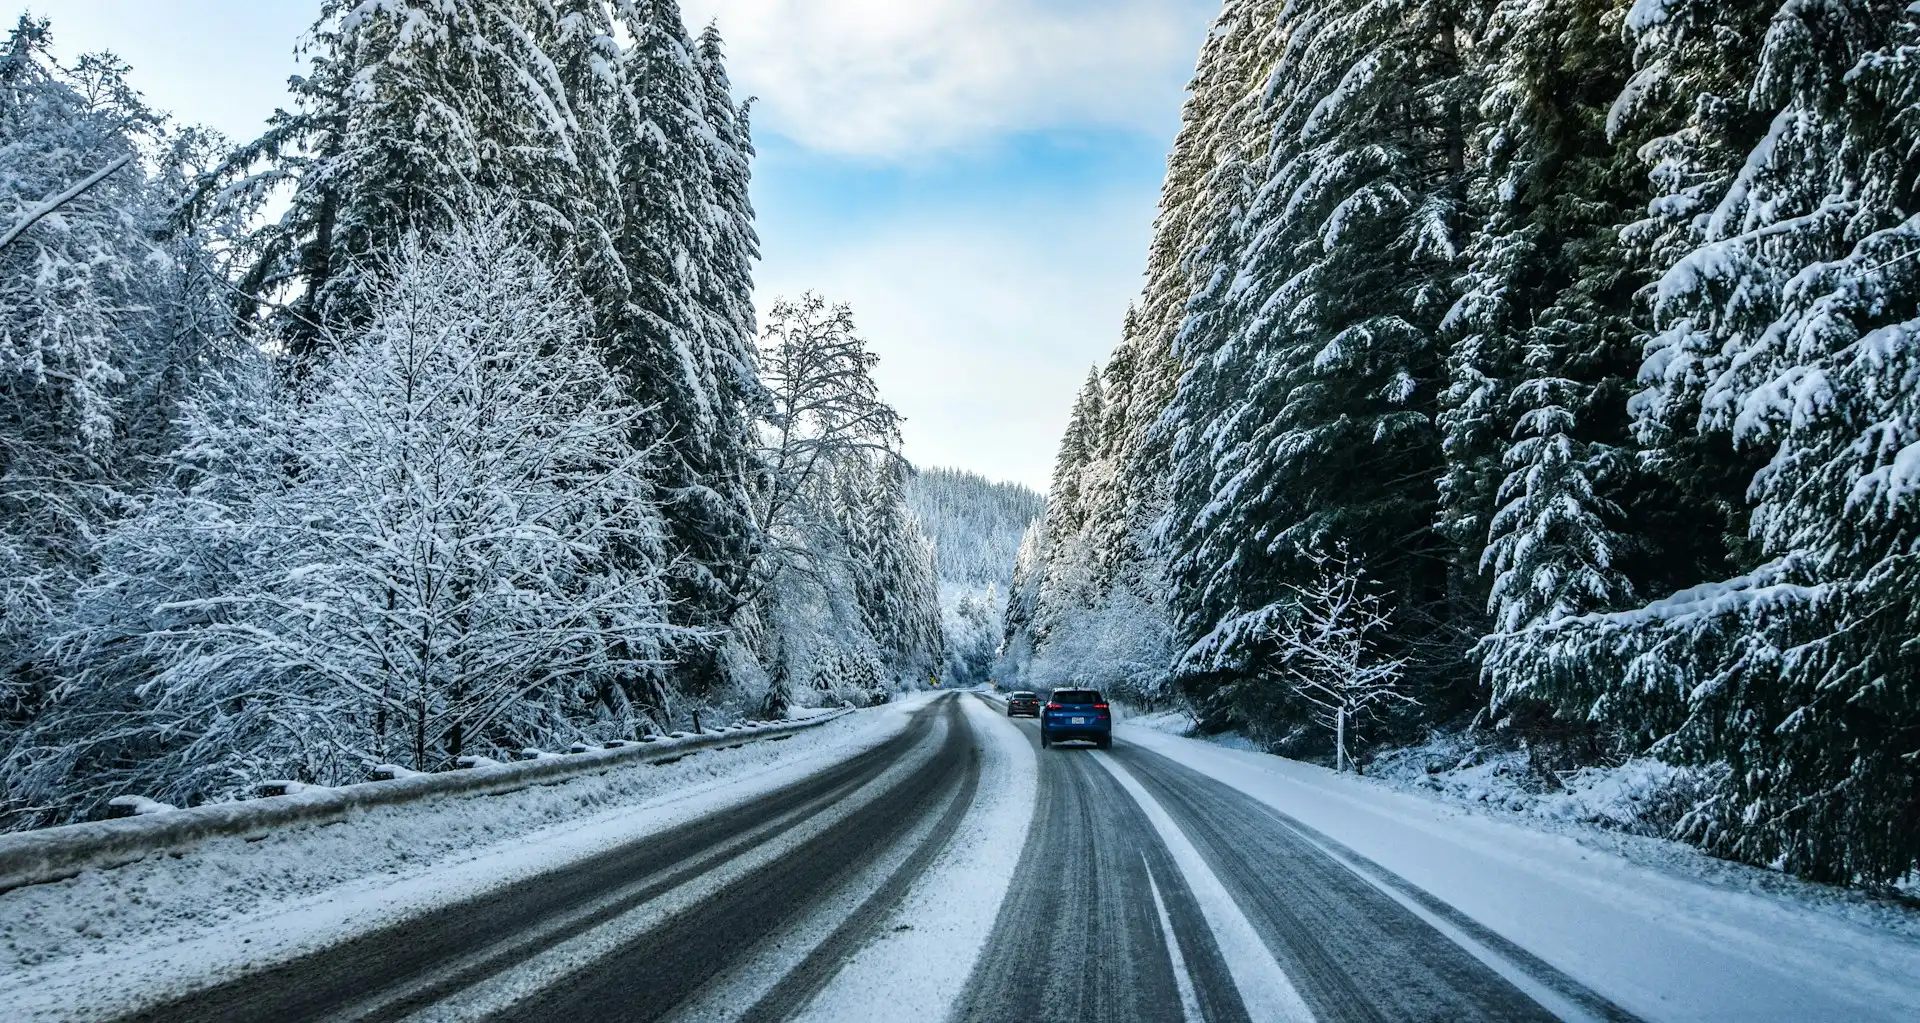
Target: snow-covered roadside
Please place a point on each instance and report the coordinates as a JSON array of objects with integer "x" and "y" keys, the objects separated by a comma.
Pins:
[
  {"x": 918, "y": 966},
  {"x": 172, "y": 924},
  {"x": 1635, "y": 797},
  {"x": 1180, "y": 723},
  {"x": 1662, "y": 944}
]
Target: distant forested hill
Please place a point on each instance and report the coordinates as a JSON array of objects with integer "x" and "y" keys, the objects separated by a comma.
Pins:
[{"x": 976, "y": 526}]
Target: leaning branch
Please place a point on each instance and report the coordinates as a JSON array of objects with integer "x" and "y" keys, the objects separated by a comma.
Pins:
[{"x": 40, "y": 212}]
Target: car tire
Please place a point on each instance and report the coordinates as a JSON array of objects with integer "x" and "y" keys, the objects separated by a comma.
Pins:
[
  {"x": 1044, "y": 741},
  {"x": 1106, "y": 743}
]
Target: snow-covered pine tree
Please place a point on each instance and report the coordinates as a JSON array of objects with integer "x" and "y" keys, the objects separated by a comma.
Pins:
[
  {"x": 893, "y": 564},
  {"x": 733, "y": 246},
  {"x": 1545, "y": 343},
  {"x": 1206, "y": 178},
  {"x": 1212, "y": 180},
  {"x": 1108, "y": 576},
  {"x": 413, "y": 113},
  {"x": 1690, "y": 107},
  {"x": 687, "y": 364},
  {"x": 586, "y": 61},
  {"x": 1023, "y": 599},
  {"x": 1118, "y": 491},
  {"x": 1787, "y": 331},
  {"x": 779, "y": 698},
  {"x": 1313, "y": 420},
  {"x": 1064, "y": 581}
]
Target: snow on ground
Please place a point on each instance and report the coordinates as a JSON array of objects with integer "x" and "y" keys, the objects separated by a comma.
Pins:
[
  {"x": 918, "y": 966},
  {"x": 1181, "y": 723},
  {"x": 168, "y": 924},
  {"x": 1656, "y": 931},
  {"x": 1642, "y": 796}
]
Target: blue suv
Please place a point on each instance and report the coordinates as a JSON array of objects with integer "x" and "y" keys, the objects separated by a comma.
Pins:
[{"x": 1080, "y": 714}]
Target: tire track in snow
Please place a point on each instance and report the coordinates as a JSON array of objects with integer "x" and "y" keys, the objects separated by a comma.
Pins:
[
  {"x": 1078, "y": 937},
  {"x": 653, "y": 975},
  {"x": 875, "y": 899},
  {"x": 1266, "y": 993}
]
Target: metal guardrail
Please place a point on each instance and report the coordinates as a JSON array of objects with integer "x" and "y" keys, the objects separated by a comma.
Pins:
[{"x": 53, "y": 854}]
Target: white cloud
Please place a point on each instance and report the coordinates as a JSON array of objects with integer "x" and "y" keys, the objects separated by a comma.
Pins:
[{"x": 891, "y": 78}]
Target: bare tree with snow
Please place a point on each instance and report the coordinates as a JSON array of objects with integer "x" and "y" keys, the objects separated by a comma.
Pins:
[
  {"x": 825, "y": 408},
  {"x": 1327, "y": 656}
]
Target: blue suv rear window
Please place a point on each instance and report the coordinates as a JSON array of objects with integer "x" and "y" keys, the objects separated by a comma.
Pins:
[{"x": 1077, "y": 697}]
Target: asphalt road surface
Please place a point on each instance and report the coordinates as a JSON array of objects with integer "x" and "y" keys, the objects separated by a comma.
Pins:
[{"x": 1144, "y": 891}]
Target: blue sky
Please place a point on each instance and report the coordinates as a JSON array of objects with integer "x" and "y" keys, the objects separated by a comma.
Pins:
[{"x": 976, "y": 177}]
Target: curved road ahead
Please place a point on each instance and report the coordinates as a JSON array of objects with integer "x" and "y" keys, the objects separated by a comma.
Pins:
[{"x": 1144, "y": 891}]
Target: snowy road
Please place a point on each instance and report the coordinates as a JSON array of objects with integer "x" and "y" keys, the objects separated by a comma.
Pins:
[
  {"x": 949, "y": 869},
  {"x": 1185, "y": 899}
]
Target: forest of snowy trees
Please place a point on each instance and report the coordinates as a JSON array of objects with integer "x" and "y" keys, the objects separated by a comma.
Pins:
[
  {"x": 976, "y": 526},
  {"x": 1588, "y": 329},
  {"x": 436, "y": 421}
]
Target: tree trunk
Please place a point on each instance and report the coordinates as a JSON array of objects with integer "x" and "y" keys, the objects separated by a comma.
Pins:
[
  {"x": 1340, "y": 740},
  {"x": 420, "y": 735}
]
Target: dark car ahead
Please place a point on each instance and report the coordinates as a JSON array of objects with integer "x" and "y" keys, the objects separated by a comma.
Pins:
[
  {"x": 1077, "y": 714},
  {"x": 1023, "y": 703}
]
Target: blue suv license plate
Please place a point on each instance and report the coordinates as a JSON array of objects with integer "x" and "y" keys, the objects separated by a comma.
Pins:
[{"x": 1078, "y": 721}]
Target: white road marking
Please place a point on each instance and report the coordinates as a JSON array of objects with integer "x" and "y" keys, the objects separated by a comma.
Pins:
[
  {"x": 1189, "y": 1000},
  {"x": 1264, "y": 988}
]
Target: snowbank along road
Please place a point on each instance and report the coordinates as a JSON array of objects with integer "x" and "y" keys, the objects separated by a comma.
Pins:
[{"x": 944, "y": 867}]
